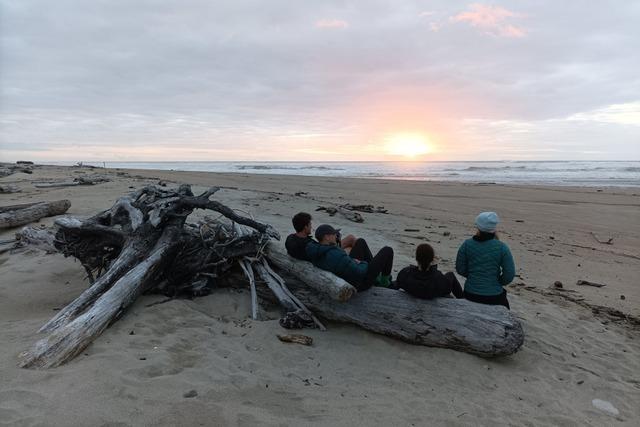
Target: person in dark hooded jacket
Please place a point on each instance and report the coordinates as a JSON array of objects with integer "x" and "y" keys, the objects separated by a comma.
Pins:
[
  {"x": 425, "y": 280},
  {"x": 327, "y": 255}
]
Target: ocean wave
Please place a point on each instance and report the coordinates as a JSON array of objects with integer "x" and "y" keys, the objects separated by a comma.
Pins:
[
  {"x": 632, "y": 169},
  {"x": 488, "y": 168},
  {"x": 280, "y": 167}
]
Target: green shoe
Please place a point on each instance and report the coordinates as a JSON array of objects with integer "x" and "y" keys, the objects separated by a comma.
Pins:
[{"x": 383, "y": 281}]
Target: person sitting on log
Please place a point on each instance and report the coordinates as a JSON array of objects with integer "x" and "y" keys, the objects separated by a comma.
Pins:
[
  {"x": 425, "y": 280},
  {"x": 297, "y": 242},
  {"x": 486, "y": 262},
  {"x": 361, "y": 273}
]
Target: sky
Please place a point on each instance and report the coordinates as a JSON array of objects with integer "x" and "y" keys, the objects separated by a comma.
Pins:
[{"x": 319, "y": 80}]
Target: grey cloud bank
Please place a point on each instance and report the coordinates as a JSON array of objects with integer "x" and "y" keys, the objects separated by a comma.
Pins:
[{"x": 226, "y": 78}]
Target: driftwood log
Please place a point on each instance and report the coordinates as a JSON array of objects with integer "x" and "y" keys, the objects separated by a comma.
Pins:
[
  {"x": 16, "y": 215},
  {"x": 483, "y": 330},
  {"x": 319, "y": 280},
  {"x": 145, "y": 244},
  {"x": 9, "y": 169},
  {"x": 81, "y": 180}
]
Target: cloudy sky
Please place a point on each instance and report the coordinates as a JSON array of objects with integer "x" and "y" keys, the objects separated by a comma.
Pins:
[{"x": 316, "y": 80}]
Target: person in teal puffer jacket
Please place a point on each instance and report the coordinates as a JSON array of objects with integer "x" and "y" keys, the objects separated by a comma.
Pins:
[
  {"x": 360, "y": 273},
  {"x": 487, "y": 263}
]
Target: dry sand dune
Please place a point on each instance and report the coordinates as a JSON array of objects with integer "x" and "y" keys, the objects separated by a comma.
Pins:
[{"x": 139, "y": 370}]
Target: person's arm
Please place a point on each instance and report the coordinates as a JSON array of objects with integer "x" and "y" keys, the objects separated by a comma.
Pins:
[
  {"x": 462, "y": 267},
  {"x": 508, "y": 266}
]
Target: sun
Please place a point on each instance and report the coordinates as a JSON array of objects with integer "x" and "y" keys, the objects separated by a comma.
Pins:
[{"x": 407, "y": 144}]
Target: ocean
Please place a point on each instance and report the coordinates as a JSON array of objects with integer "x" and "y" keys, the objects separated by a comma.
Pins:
[{"x": 568, "y": 173}]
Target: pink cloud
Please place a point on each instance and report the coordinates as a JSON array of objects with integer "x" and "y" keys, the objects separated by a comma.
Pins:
[
  {"x": 331, "y": 23},
  {"x": 491, "y": 20}
]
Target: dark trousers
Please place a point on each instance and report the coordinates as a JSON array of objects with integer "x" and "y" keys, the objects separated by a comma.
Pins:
[
  {"x": 381, "y": 263},
  {"x": 361, "y": 251},
  {"x": 489, "y": 299}
]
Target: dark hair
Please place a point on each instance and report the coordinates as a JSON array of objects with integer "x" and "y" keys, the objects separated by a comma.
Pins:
[
  {"x": 424, "y": 255},
  {"x": 300, "y": 221}
]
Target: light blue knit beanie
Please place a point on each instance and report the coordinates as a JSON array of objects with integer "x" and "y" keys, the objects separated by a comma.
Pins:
[{"x": 487, "y": 222}]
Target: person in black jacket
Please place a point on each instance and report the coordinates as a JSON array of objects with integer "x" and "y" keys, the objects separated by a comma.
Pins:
[
  {"x": 297, "y": 242},
  {"x": 425, "y": 280}
]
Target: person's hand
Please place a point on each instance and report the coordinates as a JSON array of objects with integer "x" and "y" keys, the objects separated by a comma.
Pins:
[{"x": 357, "y": 261}]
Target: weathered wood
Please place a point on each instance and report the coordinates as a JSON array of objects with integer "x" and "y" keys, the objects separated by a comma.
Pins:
[
  {"x": 296, "y": 339},
  {"x": 483, "y": 330},
  {"x": 588, "y": 283},
  {"x": 69, "y": 340},
  {"x": 286, "y": 299},
  {"x": 143, "y": 244},
  {"x": 80, "y": 180},
  {"x": 248, "y": 271},
  {"x": 127, "y": 259},
  {"x": 320, "y": 280},
  {"x": 6, "y": 189},
  {"x": 348, "y": 214},
  {"x": 36, "y": 237},
  {"x": 32, "y": 212},
  {"x": 365, "y": 208},
  {"x": 9, "y": 169},
  {"x": 8, "y": 208}
]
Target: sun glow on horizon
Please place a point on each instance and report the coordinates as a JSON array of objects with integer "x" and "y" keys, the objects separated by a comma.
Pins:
[{"x": 409, "y": 145}]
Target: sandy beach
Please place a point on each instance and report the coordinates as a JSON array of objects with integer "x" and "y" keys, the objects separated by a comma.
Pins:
[{"x": 578, "y": 347}]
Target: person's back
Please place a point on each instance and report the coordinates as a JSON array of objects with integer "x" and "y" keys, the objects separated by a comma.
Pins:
[
  {"x": 486, "y": 262},
  {"x": 297, "y": 242},
  {"x": 425, "y": 280},
  {"x": 487, "y": 265},
  {"x": 296, "y": 246}
]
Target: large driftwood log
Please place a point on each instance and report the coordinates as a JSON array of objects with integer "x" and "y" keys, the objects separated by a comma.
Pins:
[
  {"x": 483, "y": 330},
  {"x": 320, "y": 280},
  {"x": 23, "y": 214}
]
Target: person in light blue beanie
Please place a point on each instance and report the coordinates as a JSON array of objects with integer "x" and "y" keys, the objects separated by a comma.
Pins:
[{"x": 486, "y": 263}]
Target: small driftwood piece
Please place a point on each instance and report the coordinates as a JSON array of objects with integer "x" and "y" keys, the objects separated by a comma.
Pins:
[
  {"x": 9, "y": 169},
  {"x": 6, "y": 189},
  {"x": 16, "y": 215},
  {"x": 350, "y": 215},
  {"x": 587, "y": 283},
  {"x": 604, "y": 242},
  {"x": 365, "y": 208},
  {"x": 296, "y": 339},
  {"x": 319, "y": 280},
  {"x": 81, "y": 180}
]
